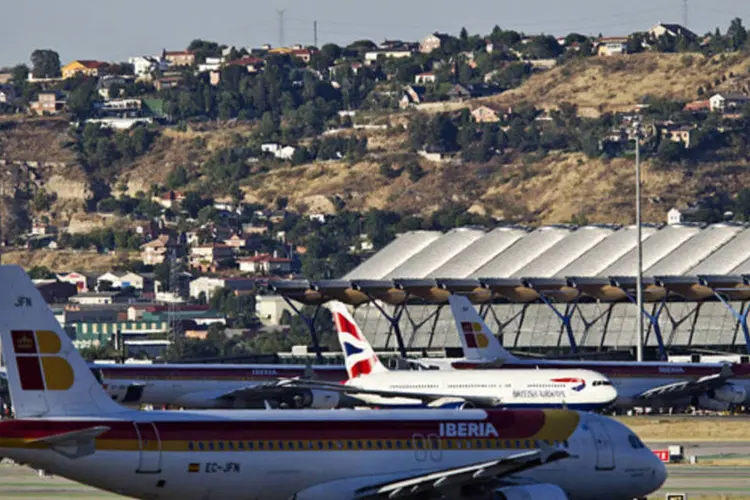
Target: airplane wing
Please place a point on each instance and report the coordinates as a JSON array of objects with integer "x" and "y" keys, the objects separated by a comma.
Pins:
[
  {"x": 439, "y": 483},
  {"x": 426, "y": 398},
  {"x": 688, "y": 388}
]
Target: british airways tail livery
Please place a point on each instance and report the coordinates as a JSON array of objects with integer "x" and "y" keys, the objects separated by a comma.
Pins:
[
  {"x": 66, "y": 424},
  {"x": 359, "y": 355}
]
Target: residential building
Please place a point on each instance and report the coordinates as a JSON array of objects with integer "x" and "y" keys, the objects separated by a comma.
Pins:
[
  {"x": 179, "y": 57},
  {"x": 487, "y": 114},
  {"x": 211, "y": 64},
  {"x": 425, "y": 78},
  {"x": 144, "y": 66},
  {"x": 99, "y": 298},
  {"x": 727, "y": 102},
  {"x": 210, "y": 257},
  {"x": 265, "y": 264},
  {"x": 702, "y": 106},
  {"x": 48, "y": 103},
  {"x": 170, "y": 199},
  {"x": 252, "y": 64},
  {"x": 84, "y": 67},
  {"x": 41, "y": 229},
  {"x": 168, "y": 81},
  {"x": 207, "y": 286},
  {"x": 279, "y": 151},
  {"x": 83, "y": 282},
  {"x": 683, "y": 215},
  {"x": 109, "y": 81},
  {"x": 373, "y": 55},
  {"x": 674, "y": 30},
  {"x": 612, "y": 46},
  {"x": 304, "y": 54},
  {"x": 679, "y": 133},
  {"x": 432, "y": 42},
  {"x": 121, "y": 280},
  {"x": 155, "y": 252},
  {"x": 271, "y": 308},
  {"x": 8, "y": 93},
  {"x": 237, "y": 242}
]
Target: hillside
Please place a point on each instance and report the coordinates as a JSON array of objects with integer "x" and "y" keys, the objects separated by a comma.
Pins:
[
  {"x": 533, "y": 188},
  {"x": 601, "y": 84}
]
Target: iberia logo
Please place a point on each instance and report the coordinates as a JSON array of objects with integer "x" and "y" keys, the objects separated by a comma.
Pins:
[
  {"x": 474, "y": 336},
  {"x": 38, "y": 367},
  {"x": 351, "y": 349},
  {"x": 580, "y": 383}
]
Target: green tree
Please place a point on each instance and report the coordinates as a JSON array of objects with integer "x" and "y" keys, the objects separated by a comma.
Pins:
[
  {"x": 177, "y": 177},
  {"x": 40, "y": 273},
  {"x": 737, "y": 34},
  {"x": 45, "y": 63},
  {"x": 81, "y": 99},
  {"x": 19, "y": 74}
]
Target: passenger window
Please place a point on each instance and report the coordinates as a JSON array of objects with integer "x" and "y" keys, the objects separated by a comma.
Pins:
[
  {"x": 230, "y": 444},
  {"x": 241, "y": 445},
  {"x": 190, "y": 446},
  {"x": 211, "y": 445},
  {"x": 221, "y": 445}
]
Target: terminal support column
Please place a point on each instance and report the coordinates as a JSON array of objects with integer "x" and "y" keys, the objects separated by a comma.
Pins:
[
  {"x": 310, "y": 322},
  {"x": 654, "y": 320},
  {"x": 394, "y": 320},
  {"x": 741, "y": 318},
  {"x": 565, "y": 318}
]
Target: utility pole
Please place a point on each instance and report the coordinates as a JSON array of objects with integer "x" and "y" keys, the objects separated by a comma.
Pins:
[
  {"x": 639, "y": 246},
  {"x": 280, "y": 13},
  {"x": 315, "y": 33}
]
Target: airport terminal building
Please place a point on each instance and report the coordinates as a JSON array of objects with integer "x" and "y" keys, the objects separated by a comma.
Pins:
[{"x": 552, "y": 287}]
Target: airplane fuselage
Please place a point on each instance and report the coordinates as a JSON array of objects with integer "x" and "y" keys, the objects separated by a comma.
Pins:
[
  {"x": 200, "y": 386},
  {"x": 330, "y": 454},
  {"x": 576, "y": 389},
  {"x": 629, "y": 378}
]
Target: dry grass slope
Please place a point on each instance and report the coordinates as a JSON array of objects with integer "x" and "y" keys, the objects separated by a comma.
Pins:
[{"x": 601, "y": 84}]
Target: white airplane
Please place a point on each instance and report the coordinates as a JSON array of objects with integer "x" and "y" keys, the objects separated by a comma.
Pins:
[
  {"x": 374, "y": 384},
  {"x": 219, "y": 386},
  {"x": 66, "y": 424},
  {"x": 713, "y": 386}
]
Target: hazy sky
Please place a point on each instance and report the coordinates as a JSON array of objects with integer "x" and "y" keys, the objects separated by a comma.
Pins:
[{"x": 115, "y": 29}]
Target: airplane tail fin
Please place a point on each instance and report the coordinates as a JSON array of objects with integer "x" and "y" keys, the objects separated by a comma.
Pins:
[
  {"x": 46, "y": 375},
  {"x": 478, "y": 341},
  {"x": 358, "y": 353}
]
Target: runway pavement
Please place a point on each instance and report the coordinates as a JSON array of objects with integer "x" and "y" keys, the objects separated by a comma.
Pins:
[
  {"x": 696, "y": 480},
  {"x": 17, "y": 482}
]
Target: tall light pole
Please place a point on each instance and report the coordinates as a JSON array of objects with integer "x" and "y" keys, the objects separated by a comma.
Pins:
[{"x": 639, "y": 244}]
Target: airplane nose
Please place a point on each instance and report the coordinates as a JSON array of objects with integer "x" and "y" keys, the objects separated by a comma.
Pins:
[{"x": 659, "y": 472}]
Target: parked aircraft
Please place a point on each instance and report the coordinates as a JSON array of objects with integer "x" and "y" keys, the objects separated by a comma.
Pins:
[
  {"x": 219, "y": 386},
  {"x": 68, "y": 425},
  {"x": 713, "y": 386},
  {"x": 374, "y": 384}
]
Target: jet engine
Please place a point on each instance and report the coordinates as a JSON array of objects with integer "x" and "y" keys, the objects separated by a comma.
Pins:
[
  {"x": 729, "y": 393},
  {"x": 531, "y": 492},
  {"x": 721, "y": 398},
  {"x": 317, "y": 399}
]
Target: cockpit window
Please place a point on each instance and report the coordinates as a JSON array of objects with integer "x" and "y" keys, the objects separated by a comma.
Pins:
[
  {"x": 601, "y": 382},
  {"x": 635, "y": 443}
]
